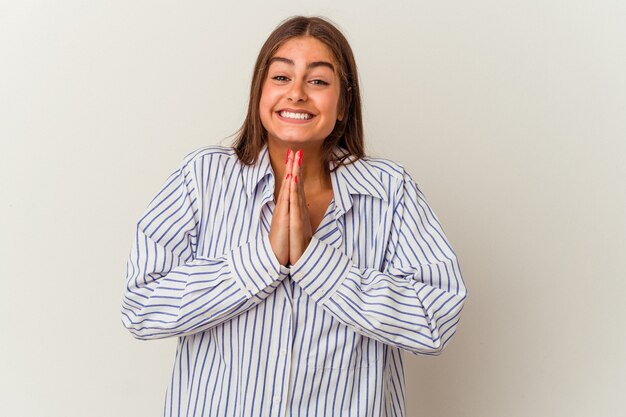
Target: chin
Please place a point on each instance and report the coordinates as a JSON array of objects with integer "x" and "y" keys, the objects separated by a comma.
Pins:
[{"x": 299, "y": 141}]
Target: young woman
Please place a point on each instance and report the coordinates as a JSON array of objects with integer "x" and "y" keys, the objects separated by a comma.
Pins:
[{"x": 293, "y": 269}]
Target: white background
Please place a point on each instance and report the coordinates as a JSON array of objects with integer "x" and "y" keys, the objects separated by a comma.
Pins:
[{"x": 511, "y": 115}]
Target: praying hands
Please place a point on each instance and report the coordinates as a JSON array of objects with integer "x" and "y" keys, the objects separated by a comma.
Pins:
[{"x": 290, "y": 231}]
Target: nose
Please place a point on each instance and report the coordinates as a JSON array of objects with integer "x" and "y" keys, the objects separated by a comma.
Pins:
[{"x": 296, "y": 92}]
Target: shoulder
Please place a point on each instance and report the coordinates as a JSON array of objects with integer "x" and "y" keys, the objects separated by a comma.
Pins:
[
  {"x": 386, "y": 168},
  {"x": 388, "y": 171},
  {"x": 215, "y": 155},
  {"x": 209, "y": 152},
  {"x": 395, "y": 178}
]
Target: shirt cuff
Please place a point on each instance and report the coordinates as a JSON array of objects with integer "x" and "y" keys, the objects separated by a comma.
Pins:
[
  {"x": 321, "y": 270},
  {"x": 255, "y": 266}
]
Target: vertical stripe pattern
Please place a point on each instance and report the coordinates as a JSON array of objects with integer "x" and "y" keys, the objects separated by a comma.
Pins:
[{"x": 323, "y": 337}]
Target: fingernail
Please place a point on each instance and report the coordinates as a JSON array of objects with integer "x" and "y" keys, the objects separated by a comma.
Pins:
[
  {"x": 287, "y": 159},
  {"x": 300, "y": 157},
  {"x": 295, "y": 179},
  {"x": 288, "y": 176}
]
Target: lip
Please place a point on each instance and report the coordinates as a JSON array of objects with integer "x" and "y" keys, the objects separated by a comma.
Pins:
[{"x": 296, "y": 121}]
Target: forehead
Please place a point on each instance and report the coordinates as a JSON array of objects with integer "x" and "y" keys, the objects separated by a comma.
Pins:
[{"x": 305, "y": 49}]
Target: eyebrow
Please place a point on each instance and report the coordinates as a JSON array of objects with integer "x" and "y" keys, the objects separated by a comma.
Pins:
[{"x": 310, "y": 65}]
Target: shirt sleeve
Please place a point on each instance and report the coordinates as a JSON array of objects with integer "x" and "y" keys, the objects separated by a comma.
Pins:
[
  {"x": 414, "y": 302},
  {"x": 169, "y": 290}
]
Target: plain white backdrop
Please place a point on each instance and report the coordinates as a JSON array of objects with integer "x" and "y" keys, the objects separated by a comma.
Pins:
[{"x": 510, "y": 115}]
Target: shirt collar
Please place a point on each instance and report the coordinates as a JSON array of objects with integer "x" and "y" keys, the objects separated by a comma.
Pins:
[
  {"x": 253, "y": 174},
  {"x": 357, "y": 177}
]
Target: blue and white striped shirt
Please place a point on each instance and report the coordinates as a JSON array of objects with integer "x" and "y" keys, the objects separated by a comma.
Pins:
[{"x": 321, "y": 338}]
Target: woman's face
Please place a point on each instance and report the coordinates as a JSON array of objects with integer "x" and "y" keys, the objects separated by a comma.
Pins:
[{"x": 300, "y": 96}]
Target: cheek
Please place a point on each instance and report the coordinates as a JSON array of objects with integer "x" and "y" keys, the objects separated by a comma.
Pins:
[
  {"x": 265, "y": 109},
  {"x": 333, "y": 106},
  {"x": 263, "y": 101},
  {"x": 265, "y": 118},
  {"x": 269, "y": 100}
]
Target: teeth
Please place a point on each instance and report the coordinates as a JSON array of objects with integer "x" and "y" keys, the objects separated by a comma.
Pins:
[{"x": 298, "y": 116}]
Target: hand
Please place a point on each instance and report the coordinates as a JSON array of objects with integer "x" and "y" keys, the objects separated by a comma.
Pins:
[
  {"x": 290, "y": 230},
  {"x": 279, "y": 228},
  {"x": 299, "y": 222}
]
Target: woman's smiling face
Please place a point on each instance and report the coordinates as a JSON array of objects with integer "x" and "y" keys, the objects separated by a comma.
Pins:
[{"x": 300, "y": 96}]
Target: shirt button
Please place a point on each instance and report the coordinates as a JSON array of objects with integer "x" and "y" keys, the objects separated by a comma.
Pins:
[
  {"x": 282, "y": 352},
  {"x": 271, "y": 272},
  {"x": 277, "y": 399},
  {"x": 250, "y": 287}
]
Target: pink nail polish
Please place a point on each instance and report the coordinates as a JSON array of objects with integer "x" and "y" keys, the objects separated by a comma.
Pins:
[
  {"x": 287, "y": 159},
  {"x": 288, "y": 176},
  {"x": 300, "y": 157},
  {"x": 295, "y": 179}
]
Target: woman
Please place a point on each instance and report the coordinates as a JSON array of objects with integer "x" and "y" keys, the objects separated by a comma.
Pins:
[{"x": 293, "y": 269}]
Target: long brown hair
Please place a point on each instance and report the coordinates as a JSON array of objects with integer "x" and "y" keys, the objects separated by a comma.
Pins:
[{"x": 348, "y": 132}]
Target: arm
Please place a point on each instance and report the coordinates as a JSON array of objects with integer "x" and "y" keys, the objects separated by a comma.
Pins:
[
  {"x": 414, "y": 303},
  {"x": 169, "y": 291}
]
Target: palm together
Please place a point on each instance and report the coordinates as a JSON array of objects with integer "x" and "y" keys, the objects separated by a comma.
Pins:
[{"x": 290, "y": 231}]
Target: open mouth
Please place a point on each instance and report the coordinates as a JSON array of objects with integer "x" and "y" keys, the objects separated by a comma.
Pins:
[{"x": 295, "y": 115}]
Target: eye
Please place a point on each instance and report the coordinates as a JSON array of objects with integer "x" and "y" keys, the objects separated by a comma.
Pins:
[
  {"x": 318, "y": 82},
  {"x": 280, "y": 78}
]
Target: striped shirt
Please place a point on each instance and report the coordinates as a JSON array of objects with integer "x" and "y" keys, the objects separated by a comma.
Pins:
[{"x": 323, "y": 337}]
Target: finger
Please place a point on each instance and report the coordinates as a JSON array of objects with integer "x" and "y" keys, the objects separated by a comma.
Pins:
[
  {"x": 282, "y": 204},
  {"x": 301, "y": 194},
  {"x": 303, "y": 210},
  {"x": 297, "y": 163},
  {"x": 299, "y": 170},
  {"x": 295, "y": 177},
  {"x": 302, "y": 202},
  {"x": 283, "y": 195},
  {"x": 279, "y": 228},
  {"x": 295, "y": 208},
  {"x": 300, "y": 179},
  {"x": 294, "y": 185},
  {"x": 289, "y": 163}
]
